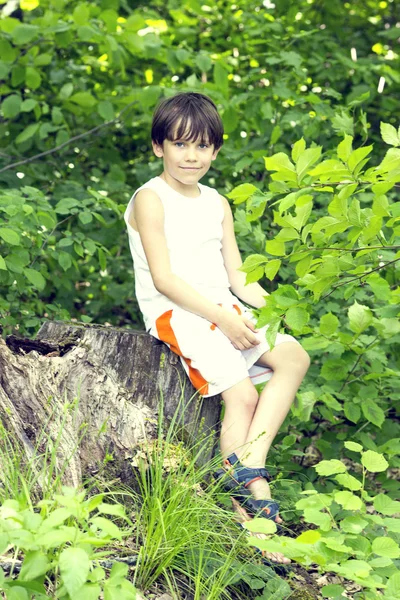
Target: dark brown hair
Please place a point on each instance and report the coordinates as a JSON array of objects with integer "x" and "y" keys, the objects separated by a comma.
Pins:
[{"x": 190, "y": 108}]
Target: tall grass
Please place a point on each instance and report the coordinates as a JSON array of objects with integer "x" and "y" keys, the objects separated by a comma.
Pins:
[
  {"x": 184, "y": 533},
  {"x": 28, "y": 476}
]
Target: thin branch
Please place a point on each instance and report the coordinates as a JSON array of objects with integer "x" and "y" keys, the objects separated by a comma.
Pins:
[
  {"x": 360, "y": 276},
  {"x": 352, "y": 370},
  {"x": 352, "y": 249},
  {"x": 73, "y": 139}
]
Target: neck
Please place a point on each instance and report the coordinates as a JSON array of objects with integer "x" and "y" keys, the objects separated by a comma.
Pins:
[{"x": 189, "y": 190}]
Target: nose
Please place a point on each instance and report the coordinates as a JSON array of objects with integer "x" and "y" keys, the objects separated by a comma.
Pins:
[{"x": 191, "y": 154}]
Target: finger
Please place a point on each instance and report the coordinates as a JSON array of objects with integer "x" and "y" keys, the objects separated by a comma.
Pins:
[
  {"x": 253, "y": 341},
  {"x": 251, "y": 325}
]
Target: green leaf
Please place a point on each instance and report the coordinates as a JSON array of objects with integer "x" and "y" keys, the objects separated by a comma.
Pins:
[
  {"x": 308, "y": 537},
  {"x": 260, "y": 525},
  {"x": 304, "y": 406},
  {"x": 74, "y": 566},
  {"x": 33, "y": 78},
  {"x": 11, "y": 106},
  {"x": 56, "y": 518},
  {"x": 353, "y": 446},
  {"x": 330, "y": 467},
  {"x": 112, "y": 509},
  {"x": 328, "y": 324},
  {"x": 279, "y": 162},
  {"x": 203, "y": 61},
  {"x": 334, "y": 369},
  {"x": 23, "y": 34},
  {"x": 306, "y": 160},
  {"x": 81, "y": 14},
  {"x": 10, "y": 236},
  {"x": 352, "y": 411},
  {"x": 66, "y": 91},
  {"x": 54, "y": 538},
  {"x": 374, "y": 462},
  {"x": 389, "y": 134},
  {"x": 323, "y": 520},
  {"x": 333, "y": 590},
  {"x": 17, "y": 593},
  {"x": 27, "y": 133},
  {"x": 357, "y": 156},
  {"x": 34, "y": 565},
  {"x": 221, "y": 77},
  {"x": 344, "y": 149},
  {"x": 107, "y": 527},
  {"x": 275, "y": 135},
  {"x": 360, "y": 317},
  {"x": 35, "y": 278},
  {"x": 106, "y": 110},
  {"x": 348, "y": 500},
  {"x": 85, "y": 217},
  {"x": 276, "y": 589},
  {"x": 272, "y": 267},
  {"x": 28, "y": 105},
  {"x": 275, "y": 248},
  {"x": 298, "y": 149},
  {"x": 372, "y": 412},
  {"x": 91, "y": 591},
  {"x": 343, "y": 123},
  {"x": 385, "y": 546},
  {"x": 392, "y": 524},
  {"x": 64, "y": 260},
  {"x": 230, "y": 119},
  {"x": 353, "y": 524},
  {"x": 84, "y": 99},
  {"x": 252, "y": 261},
  {"x": 296, "y": 318},
  {"x": 379, "y": 286},
  {"x": 385, "y": 505},
  {"x": 393, "y": 586},
  {"x": 242, "y": 192}
]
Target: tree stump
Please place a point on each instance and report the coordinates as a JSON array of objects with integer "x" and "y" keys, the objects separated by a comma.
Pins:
[{"x": 105, "y": 385}]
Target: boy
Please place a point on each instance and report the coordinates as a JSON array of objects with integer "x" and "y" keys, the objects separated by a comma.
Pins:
[{"x": 186, "y": 261}]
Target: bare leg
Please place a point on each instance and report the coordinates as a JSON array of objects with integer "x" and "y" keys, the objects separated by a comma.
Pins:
[
  {"x": 240, "y": 404},
  {"x": 290, "y": 363}
]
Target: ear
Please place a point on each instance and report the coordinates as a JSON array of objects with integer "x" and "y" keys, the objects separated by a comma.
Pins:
[
  {"x": 157, "y": 149},
  {"x": 215, "y": 154}
]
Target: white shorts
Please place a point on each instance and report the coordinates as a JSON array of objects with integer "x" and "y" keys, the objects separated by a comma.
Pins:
[{"x": 209, "y": 358}]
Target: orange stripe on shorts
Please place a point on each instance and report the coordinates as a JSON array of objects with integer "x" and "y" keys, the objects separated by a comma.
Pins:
[{"x": 167, "y": 335}]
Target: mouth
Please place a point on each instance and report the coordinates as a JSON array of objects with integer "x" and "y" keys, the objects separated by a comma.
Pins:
[{"x": 190, "y": 168}]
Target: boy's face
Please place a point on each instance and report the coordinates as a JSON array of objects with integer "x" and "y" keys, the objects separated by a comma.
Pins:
[{"x": 184, "y": 160}]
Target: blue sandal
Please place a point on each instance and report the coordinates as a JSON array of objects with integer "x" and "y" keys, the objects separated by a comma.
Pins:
[{"x": 237, "y": 479}]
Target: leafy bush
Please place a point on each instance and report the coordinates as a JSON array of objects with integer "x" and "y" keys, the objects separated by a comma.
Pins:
[
  {"x": 352, "y": 532},
  {"x": 61, "y": 542}
]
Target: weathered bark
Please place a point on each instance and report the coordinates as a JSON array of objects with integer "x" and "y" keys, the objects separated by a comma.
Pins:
[{"x": 105, "y": 383}]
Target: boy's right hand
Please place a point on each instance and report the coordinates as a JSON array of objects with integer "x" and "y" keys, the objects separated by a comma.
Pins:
[{"x": 238, "y": 329}]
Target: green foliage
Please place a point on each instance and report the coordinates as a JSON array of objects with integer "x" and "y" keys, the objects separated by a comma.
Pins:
[
  {"x": 311, "y": 181},
  {"x": 350, "y": 532},
  {"x": 64, "y": 538},
  {"x": 78, "y": 86}
]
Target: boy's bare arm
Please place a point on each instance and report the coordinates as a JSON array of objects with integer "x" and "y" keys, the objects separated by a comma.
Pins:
[
  {"x": 149, "y": 214},
  {"x": 252, "y": 293}
]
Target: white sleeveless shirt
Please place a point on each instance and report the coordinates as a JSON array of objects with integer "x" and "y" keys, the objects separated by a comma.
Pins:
[{"x": 193, "y": 230}]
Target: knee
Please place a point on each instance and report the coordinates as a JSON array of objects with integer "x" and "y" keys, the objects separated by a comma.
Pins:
[
  {"x": 295, "y": 358},
  {"x": 250, "y": 400}
]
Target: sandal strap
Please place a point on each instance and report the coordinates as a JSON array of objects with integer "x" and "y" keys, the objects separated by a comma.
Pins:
[
  {"x": 246, "y": 475},
  {"x": 268, "y": 509}
]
